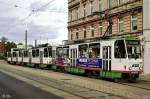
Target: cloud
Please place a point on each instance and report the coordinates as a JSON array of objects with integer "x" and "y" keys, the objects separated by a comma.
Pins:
[{"x": 45, "y": 25}]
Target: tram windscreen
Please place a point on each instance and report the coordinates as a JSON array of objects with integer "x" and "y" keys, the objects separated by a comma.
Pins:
[{"x": 133, "y": 48}]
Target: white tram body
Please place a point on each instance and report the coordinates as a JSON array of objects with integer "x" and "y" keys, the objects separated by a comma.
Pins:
[
  {"x": 19, "y": 56},
  {"x": 42, "y": 55},
  {"x": 9, "y": 58},
  {"x": 25, "y": 56},
  {"x": 119, "y": 57},
  {"x": 114, "y": 58}
]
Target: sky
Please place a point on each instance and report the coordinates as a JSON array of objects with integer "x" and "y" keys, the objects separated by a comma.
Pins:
[{"x": 45, "y": 20}]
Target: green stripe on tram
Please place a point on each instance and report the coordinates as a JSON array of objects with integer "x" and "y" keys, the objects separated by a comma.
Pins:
[
  {"x": 111, "y": 74},
  {"x": 75, "y": 70},
  {"x": 30, "y": 65}
]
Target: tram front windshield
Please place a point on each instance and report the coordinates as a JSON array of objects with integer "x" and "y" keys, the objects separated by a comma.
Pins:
[{"x": 133, "y": 48}]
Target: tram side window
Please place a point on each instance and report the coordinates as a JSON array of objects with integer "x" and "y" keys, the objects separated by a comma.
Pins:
[
  {"x": 94, "y": 50},
  {"x": 50, "y": 52},
  {"x": 14, "y": 54},
  {"x": 83, "y": 51},
  {"x": 45, "y": 52},
  {"x": 59, "y": 52},
  {"x": 33, "y": 53},
  {"x": 119, "y": 50},
  {"x": 66, "y": 52},
  {"x": 25, "y": 53},
  {"x": 20, "y": 54},
  {"x": 37, "y": 53}
]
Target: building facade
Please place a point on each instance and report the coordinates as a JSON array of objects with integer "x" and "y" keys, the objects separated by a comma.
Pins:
[
  {"x": 2, "y": 47},
  {"x": 146, "y": 32},
  {"x": 90, "y": 19}
]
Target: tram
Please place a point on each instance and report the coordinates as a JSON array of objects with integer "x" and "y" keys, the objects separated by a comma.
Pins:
[{"x": 111, "y": 58}]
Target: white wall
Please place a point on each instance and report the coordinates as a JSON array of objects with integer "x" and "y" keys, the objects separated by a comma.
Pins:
[{"x": 146, "y": 31}]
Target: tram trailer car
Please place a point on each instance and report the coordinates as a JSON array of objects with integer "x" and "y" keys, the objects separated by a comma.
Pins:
[
  {"x": 42, "y": 55},
  {"x": 115, "y": 58},
  {"x": 9, "y": 58},
  {"x": 15, "y": 56}
]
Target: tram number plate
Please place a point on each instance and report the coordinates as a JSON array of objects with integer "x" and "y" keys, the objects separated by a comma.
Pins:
[{"x": 134, "y": 72}]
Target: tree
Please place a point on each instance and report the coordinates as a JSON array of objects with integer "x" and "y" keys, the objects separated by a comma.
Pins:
[
  {"x": 4, "y": 40},
  {"x": 10, "y": 45}
]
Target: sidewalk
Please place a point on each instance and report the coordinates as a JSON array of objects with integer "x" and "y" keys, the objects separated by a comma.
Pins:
[{"x": 145, "y": 77}]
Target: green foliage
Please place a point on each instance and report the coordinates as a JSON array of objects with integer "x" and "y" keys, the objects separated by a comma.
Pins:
[
  {"x": 10, "y": 45},
  {"x": 7, "y": 47},
  {"x": 2, "y": 56},
  {"x": 3, "y": 39}
]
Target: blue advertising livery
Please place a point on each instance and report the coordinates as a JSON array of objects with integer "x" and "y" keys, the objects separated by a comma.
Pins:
[{"x": 94, "y": 63}]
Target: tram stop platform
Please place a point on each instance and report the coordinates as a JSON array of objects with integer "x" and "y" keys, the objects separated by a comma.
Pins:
[{"x": 145, "y": 77}]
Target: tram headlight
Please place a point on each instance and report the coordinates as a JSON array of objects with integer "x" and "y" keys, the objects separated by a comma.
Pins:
[
  {"x": 130, "y": 68},
  {"x": 141, "y": 67}
]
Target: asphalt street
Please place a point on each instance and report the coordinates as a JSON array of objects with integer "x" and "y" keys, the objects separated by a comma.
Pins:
[{"x": 11, "y": 88}]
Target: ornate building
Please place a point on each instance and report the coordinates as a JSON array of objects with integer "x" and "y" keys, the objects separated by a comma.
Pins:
[
  {"x": 2, "y": 48},
  {"x": 91, "y": 19}
]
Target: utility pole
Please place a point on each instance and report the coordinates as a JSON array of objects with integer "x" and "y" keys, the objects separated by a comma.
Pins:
[
  {"x": 35, "y": 43},
  {"x": 26, "y": 39}
]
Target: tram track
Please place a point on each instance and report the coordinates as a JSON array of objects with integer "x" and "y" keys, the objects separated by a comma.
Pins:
[
  {"x": 137, "y": 84},
  {"x": 56, "y": 84},
  {"x": 132, "y": 92}
]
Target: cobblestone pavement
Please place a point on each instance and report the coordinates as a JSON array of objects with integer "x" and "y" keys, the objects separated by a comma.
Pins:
[
  {"x": 145, "y": 77},
  {"x": 82, "y": 86}
]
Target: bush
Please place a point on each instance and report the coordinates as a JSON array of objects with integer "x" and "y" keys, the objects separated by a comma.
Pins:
[{"x": 2, "y": 56}]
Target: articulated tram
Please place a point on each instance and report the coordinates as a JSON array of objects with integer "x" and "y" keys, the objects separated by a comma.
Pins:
[{"x": 114, "y": 58}]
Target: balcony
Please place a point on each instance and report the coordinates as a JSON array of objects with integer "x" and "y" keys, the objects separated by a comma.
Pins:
[
  {"x": 90, "y": 18},
  {"x": 126, "y": 7},
  {"x": 73, "y": 3}
]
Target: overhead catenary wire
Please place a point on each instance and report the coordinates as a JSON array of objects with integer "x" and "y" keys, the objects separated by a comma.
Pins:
[{"x": 32, "y": 12}]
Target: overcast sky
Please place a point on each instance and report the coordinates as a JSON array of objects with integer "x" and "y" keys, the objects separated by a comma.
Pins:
[{"x": 45, "y": 20}]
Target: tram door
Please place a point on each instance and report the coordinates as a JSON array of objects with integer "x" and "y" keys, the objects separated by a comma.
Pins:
[
  {"x": 30, "y": 57},
  {"x": 41, "y": 57},
  {"x": 17, "y": 55},
  {"x": 106, "y": 58},
  {"x": 73, "y": 56}
]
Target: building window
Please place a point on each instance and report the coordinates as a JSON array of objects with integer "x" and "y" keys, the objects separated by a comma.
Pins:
[
  {"x": 77, "y": 12},
  {"x": 84, "y": 10},
  {"x": 100, "y": 28},
  {"x": 71, "y": 15},
  {"x": 110, "y": 3},
  {"x": 120, "y": 25},
  {"x": 84, "y": 34},
  {"x": 77, "y": 34},
  {"x": 120, "y": 2},
  {"x": 134, "y": 22},
  {"x": 92, "y": 7},
  {"x": 84, "y": 31},
  {"x": 100, "y": 6},
  {"x": 71, "y": 36},
  {"x": 92, "y": 30}
]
